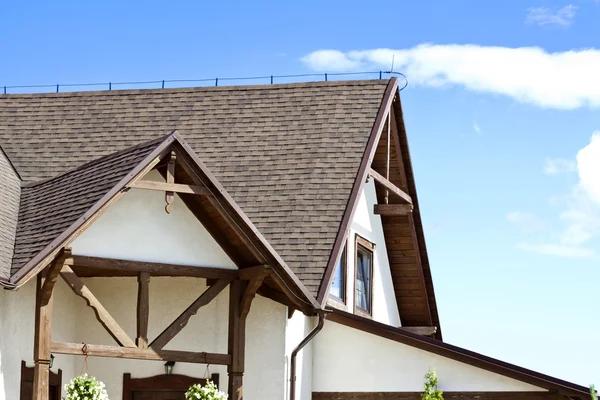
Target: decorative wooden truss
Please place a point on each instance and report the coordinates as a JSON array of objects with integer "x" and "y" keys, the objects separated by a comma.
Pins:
[{"x": 243, "y": 284}]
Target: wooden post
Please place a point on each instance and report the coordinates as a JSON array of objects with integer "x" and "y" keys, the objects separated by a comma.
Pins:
[
  {"x": 143, "y": 310},
  {"x": 41, "y": 346},
  {"x": 236, "y": 340}
]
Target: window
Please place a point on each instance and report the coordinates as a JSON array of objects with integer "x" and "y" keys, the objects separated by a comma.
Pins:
[
  {"x": 338, "y": 286},
  {"x": 363, "y": 285}
]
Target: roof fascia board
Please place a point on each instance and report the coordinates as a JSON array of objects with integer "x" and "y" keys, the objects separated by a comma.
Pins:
[
  {"x": 44, "y": 257},
  {"x": 363, "y": 170},
  {"x": 456, "y": 353}
]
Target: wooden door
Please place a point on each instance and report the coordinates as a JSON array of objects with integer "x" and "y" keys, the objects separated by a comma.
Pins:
[{"x": 27, "y": 383}]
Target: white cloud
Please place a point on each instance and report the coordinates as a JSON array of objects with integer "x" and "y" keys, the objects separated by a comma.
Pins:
[
  {"x": 554, "y": 166},
  {"x": 557, "y": 250},
  {"x": 545, "y": 16},
  {"x": 563, "y": 80},
  {"x": 581, "y": 216},
  {"x": 526, "y": 221},
  {"x": 476, "y": 127}
]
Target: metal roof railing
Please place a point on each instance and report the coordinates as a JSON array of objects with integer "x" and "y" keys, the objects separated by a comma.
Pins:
[{"x": 174, "y": 83}]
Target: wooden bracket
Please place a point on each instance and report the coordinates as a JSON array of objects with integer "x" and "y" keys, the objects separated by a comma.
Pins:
[
  {"x": 143, "y": 309},
  {"x": 169, "y": 195},
  {"x": 421, "y": 330},
  {"x": 249, "y": 294},
  {"x": 389, "y": 186},
  {"x": 176, "y": 326},
  {"x": 103, "y": 316},
  {"x": 392, "y": 209},
  {"x": 52, "y": 276}
]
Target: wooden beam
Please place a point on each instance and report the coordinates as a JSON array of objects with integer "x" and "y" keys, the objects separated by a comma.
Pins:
[
  {"x": 94, "y": 350},
  {"x": 392, "y": 209},
  {"x": 249, "y": 294},
  {"x": 170, "y": 195},
  {"x": 236, "y": 341},
  {"x": 52, "y": 276},
  {"x": 103, "y": 316},
  {"x": 170, "y": 187},
  {"x": 143, "y": 309},
  {"x": 293, "y": 297},
  {"x": 421, "y": 330},
  {"x": 246, "y": 274},
  {"x": 151, "y": 267},
  {"x": 390, "y": 186},
  {"x": 176, "y": 326},
  {"x": 42, "y": 340}
]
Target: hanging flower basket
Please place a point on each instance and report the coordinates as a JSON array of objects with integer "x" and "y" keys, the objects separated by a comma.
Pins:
[
  {"x": 85, "y": 387},
  {"x": 207, "y": 392}
]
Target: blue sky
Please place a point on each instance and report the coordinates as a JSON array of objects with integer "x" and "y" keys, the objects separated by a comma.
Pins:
[{"x": 501, "y": 109}]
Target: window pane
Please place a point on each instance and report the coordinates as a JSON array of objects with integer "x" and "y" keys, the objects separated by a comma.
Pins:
[
  {"x": 363, "y": 279},
  {"x": 337, "y": 286}
]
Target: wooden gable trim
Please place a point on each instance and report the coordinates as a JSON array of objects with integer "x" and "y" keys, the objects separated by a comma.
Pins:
[
  {"x": 456, "y": 353},
  {"x": 359, "y": 182},
  {"x": 415, "y": 223}
]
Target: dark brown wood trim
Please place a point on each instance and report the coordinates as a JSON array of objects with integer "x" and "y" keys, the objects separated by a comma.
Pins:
[
  {"x": 405, "y": 166},
  {"x": 236, "y": 341},
  {"x": 447, "y": 396},
  {"x": 150, "y": 267},
  {"x": 41, "y": 344},
  {"x": 170, "y": 187},
  {"x": 52, "y": 276},
  {"x": 392, "y": 209},
  {"x": 96, "y": 350},
  {"x": 389, "y": 185},
  {"x": 162, "y": 383},
  {"x": 364, "y": 244},
  {"x": 44, "y": 257},
  {"x": 361, "y": 176},
  {"x": 143, "y": 309},
  {"x": 456, "y": 353},
  {"x": 102, "y": 314}
]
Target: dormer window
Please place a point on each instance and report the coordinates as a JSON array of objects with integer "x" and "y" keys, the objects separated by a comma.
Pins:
[
  {"x": 337, "y": 291},
  {"x": 363, "y": 286}
]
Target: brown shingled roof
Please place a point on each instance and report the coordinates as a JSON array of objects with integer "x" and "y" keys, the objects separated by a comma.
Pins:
[{"x": 287, "y": 154}]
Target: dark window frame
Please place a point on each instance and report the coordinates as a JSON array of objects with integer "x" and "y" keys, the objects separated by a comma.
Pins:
[
  {"x": 368, "y": 247},
  {"x": 334, "y": 300}
]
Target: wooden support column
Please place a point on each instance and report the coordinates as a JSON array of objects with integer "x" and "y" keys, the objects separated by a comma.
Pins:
[
  {"x": 143, "y": 309},
  {"x": 41, "y": 346},
  {"x": 236, "y": 340}
]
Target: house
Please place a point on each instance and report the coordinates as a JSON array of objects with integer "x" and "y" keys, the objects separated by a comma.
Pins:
[{"x": 266, "y": 237}]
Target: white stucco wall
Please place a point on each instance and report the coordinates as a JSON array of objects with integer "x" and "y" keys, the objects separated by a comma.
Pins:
[
  {"x": 298, "y": 327},
  {"x": 137, "y": 227},
  {"x": 349, "y": 360},
  {"x": 74, "y": 322},
  {"x": 206, "y": 331},
  {"x": 368, "y": 225},
  {"x": 17, "y": 318}
]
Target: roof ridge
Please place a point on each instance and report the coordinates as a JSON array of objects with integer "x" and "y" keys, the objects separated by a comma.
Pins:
[
  {"x": 117, "y": 92},
  {"x": 33, "y": 184}
]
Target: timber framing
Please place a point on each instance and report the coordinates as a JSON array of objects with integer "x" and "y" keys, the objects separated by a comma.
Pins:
[
  {"x": 170, "y": 187},
  {"x": 389, "y": 186}
]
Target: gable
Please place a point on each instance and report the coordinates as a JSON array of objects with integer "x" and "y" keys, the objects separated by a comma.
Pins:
[
  {"x": 367, "y": 225},
  {"x": 138, "y": 228},
  {"x": 287, "y": 154}
]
